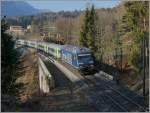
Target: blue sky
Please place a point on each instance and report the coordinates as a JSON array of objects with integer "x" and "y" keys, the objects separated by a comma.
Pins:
[{"x": 68, "y": 5}]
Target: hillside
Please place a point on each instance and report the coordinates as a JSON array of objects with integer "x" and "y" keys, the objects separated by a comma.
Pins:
[{"x": 17, "y": 8}]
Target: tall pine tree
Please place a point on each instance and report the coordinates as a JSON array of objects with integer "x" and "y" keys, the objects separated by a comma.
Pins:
[
  {"x": 11, "y": 64},
  {"x": 85, "y": 29},
  {"x": 92, "y": 30},
  {"x": 88, "y": 32}
]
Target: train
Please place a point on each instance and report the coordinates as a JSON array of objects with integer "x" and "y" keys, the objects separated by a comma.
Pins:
[{"x": 78, "y": 57}]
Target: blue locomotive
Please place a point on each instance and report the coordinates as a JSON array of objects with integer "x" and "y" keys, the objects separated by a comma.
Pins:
[{"x": 79, "y": 57}]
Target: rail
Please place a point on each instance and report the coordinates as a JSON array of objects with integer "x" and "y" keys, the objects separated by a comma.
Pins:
[
  {"x": 86, "y": 83},
  {"x": 106, "y": 85}
]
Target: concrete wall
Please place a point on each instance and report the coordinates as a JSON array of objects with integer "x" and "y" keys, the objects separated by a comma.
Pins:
[
  {"x": 70, "y": 75},
  {"x": 46, "y": 80}
]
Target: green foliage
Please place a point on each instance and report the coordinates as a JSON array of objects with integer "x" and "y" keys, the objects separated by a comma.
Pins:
[
  {"x": 134, "y": 57},
  {"x": 88, "y": 32},
  {"x": 92, "y": 29},
  {"x": 136, "y": 21},
  {"x": 85, "y": 29},
  {"x": 118, "y": 47},
  {"x": 11, "y": 65}
]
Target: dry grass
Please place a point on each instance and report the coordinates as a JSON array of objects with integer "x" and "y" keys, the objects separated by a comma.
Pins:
[
  {"x": 59, "y": 99},
  {"x": 30, "y": 78}
]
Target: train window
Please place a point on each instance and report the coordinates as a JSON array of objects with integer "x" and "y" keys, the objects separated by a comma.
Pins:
[
  {"x": 86, "y": 58},
  {"x": 49, "y": 49}
]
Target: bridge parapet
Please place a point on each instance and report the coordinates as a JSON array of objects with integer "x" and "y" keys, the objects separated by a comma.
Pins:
[{"x": 46, "y": 80}]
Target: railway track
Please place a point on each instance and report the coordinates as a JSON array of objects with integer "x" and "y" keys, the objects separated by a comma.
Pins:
[
  {"x": 110, "y": 97},
  {"x": 120, "y": 101}
]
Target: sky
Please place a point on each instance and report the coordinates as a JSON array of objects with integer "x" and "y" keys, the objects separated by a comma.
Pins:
[{"x": 68, "y": 5}]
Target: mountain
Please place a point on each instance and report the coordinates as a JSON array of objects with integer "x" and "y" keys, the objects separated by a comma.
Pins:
[
  {"x": 44, "y": 10},
  {"x": 17, "y": 8}
]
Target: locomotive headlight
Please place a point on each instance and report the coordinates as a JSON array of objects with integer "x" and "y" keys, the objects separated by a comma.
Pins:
[
  {"x": 92, "y": 66},
  {"x": 80, "y": 66}
]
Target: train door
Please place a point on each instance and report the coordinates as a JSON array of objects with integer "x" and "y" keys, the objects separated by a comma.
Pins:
[
  {"x": 46, "y": 48},
  {"x": 69, "y": 58},
  {"x": 58, "y": 52}
]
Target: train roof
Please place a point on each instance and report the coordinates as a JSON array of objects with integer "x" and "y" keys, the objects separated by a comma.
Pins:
[
  {"x": 75, "y": 49},
  {"x": 51, "y": 44}
]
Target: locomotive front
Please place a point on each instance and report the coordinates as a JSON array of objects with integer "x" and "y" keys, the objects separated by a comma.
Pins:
[{"x": 85, "y": 60}]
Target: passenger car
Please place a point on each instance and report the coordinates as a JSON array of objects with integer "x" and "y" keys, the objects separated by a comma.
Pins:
[{"x": 78, "y": 57}]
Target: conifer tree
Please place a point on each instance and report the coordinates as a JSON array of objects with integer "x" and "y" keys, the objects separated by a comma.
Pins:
[
  {"x": 92, "y": 30},
  {"x": 85, "y": 29},
  {"x": 134, "y": 22},
  {"x": 88, "y": 32},
  {"x": 10, "y": 61}
]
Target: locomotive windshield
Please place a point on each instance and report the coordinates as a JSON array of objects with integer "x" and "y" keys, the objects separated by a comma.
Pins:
[{"x": 85, "y": 59}]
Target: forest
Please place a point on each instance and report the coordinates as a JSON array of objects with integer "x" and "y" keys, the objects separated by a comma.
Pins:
[{"x": 118, "y": 37}]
